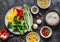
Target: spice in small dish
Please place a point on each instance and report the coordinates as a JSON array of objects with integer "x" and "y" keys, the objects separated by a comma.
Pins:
[
  {"x": 46, "y": 32},
  {"x": 34, "y": 9}
]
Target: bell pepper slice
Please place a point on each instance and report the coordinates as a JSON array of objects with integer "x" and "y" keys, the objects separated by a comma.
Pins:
[{"x": 4, "y": 34}]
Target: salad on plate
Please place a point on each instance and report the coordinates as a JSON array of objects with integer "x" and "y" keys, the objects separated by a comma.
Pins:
[{"x": 19, "y": 20}]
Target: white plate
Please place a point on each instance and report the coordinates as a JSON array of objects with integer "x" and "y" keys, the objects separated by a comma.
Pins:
[{"x": 6, "y": 22}]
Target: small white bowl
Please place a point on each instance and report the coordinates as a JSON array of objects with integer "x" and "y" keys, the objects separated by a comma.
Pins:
[
  {"x": 36, "y": 10},
  {"x": 35, "y": 33},
  {"x": 43, "y": 7},
  {"x": 48, "y": 35}
]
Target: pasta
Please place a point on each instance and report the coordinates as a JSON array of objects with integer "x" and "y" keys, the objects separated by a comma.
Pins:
[
  {"x": 43, "y": 3},
  {"x": 32, "y": 37}
]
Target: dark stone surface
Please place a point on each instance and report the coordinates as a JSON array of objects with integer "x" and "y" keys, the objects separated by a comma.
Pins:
[{"x": 5, "y": 5}]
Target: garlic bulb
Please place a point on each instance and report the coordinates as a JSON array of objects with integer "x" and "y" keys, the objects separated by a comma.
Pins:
[
  {"x": 35, "y": 26},
  {"x": 38, "y": 21}
]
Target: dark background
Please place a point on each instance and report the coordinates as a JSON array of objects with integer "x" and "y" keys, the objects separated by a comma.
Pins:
[{"x": 5, "y": 5}]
